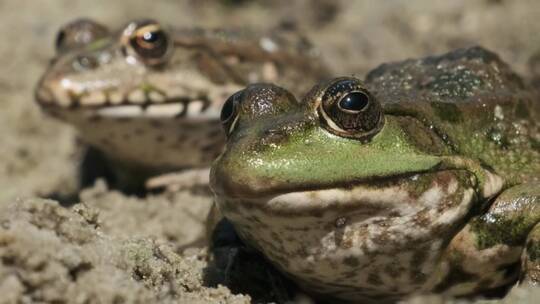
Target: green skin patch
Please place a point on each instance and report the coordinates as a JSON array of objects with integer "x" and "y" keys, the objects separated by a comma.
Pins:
[
  {"x": 510, "y": 219},
  {"x": 533, "y": 249},
  {"x": 314, "y": 154},
  {"x": 306, "y": 156},
  {"x": 447, "y": 111},
  {"x": 98, "y": 44},
  {"x": 493, "y": 230},
  {"x": 388, "y": 153}
]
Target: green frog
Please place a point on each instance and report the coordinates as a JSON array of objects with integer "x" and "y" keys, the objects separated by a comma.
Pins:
[
  {"x": 423, "y": 178},
  {"x": 149, "y": 96}
]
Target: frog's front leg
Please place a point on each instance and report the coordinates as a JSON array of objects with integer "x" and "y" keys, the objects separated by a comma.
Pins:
[
  {"x": 489, "y": 248},
  {"x": 515, "y": 220}
]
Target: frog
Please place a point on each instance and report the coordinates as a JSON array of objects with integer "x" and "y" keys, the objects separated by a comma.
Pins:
[
  {"x": 147, "y": 96},
  {"x": 424, "y": 177}
]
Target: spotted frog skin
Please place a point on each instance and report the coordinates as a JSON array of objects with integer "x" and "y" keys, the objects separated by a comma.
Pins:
[
  {"x": 149, "y": 96},
  {"x": 423, "y": 178}
]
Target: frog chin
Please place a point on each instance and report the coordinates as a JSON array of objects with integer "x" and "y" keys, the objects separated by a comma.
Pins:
[
  {"x": 328, "y": 235},
  {"x": 171, "y": 142}
]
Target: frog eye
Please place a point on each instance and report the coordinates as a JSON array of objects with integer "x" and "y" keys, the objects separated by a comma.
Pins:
[
  {"x": 348, "y": 109},
  {"x": 150, "y": 42},
  {"x": 354, "y": 102},
  {"x": 78, "y": 33},
  {"x": 229, "y": 111}
]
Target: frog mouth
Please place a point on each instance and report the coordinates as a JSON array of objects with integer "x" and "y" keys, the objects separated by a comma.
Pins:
[
  {"x": 248, "y": 177},
  {"x": 258, "y": 189},
  {"x": 173, "y": 107},
  {"x": 251, "y": 191},
  {"x": 372, "y": 197}
]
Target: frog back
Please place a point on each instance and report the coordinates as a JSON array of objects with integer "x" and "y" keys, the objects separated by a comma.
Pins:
[
  {"x": 473, "y": 101},
  {"x": 282, "y": 56}
]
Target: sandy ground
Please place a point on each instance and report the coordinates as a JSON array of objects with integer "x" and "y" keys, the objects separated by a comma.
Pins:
[{"x": 108, "y": 247}]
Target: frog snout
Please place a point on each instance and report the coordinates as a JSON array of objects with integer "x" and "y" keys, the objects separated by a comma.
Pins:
[
  {"x": 241, "y": 176},
  {"x": 51, "y": 91},
  {"x": 43, "y": 94},
  {"x": 231, "y": 179},
  {"x": 46, "y": 90}
]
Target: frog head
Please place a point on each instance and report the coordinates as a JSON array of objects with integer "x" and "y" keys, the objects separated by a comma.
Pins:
[
  {"x": 139, "y": 70},
  {"x": 140, "y": 84},
  {"x": 337, "y": 136}
]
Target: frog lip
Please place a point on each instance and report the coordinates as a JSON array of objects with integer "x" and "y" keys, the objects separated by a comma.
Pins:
[
  {"x": 175, "y": 107},
  {"x": 375, "y": 197},
  {"x": 246, "y": 189},
  {"x": 241, "y": 174},
  {"x": 108, "y": 99}
]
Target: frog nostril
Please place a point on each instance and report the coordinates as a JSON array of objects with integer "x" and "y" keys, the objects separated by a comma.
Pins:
[
  {"x": 273, "y": 137},
  {"x": 85, "y": 63}
]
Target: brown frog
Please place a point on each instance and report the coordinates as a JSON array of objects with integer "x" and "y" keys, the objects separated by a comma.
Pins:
[{"x": 149, "y": 96}]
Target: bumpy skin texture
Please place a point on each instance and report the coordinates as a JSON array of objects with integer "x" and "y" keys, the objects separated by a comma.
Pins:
[
  {"x": 441, "y": 194},
  {"x": 149, "y": 97}
]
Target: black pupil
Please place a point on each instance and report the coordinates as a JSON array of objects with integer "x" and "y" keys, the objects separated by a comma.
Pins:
[
  {"x": 227, "y": 109},
  {"x": 356, "y": 101},
  {"x": 151, "y": 37}
]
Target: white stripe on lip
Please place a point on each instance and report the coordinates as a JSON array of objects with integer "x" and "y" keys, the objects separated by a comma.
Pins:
[
  {"x": 164, "y": 110},
  {"x": 121, "y": 111}
]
